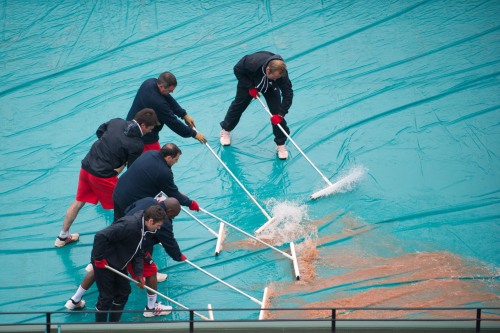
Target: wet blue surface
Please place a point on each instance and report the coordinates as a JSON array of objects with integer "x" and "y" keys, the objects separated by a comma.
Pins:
[{"x": 407, "y": 91}]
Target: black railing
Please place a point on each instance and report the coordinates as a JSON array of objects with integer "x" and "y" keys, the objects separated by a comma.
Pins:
[{"x": 477, "y": 317}]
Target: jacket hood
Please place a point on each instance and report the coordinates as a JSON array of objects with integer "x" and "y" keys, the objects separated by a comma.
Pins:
[
  {"x": 273, "y": 57},
  {"x": 133, "y": 129}
]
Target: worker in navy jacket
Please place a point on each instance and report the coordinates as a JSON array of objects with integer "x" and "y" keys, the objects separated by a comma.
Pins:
[
  {"x": 156, "y": 94},
  {"x": 150, "y": 174},
  {"x": 261, "y": 72},
  {"x": 116, "y": 246}
]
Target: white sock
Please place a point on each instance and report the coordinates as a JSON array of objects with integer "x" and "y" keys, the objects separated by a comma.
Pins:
[
  {"x": 63, "y": 234},
  {"x": 151, "y": 301},
  {"x": 77, "y": 297}
]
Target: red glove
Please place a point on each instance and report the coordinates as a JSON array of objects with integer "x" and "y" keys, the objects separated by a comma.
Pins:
[
  {"x": 254, "y": 92},
  {"x": 140, "y": 281},
  {"x": 276, "y": 119},
  {"x": 100, "y": 263},
  {"x": 183, "y": 257},
  {"x": 194, "y": 206}
]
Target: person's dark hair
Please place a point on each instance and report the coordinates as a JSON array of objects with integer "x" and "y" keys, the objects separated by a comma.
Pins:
[
  {"x": 171, "y": 205},
  {"x": 156, "y": 213},
  {"x": 167, "y": 79},
  {"x": 170, "y": 149},
  {"x": 147, "y": 117}
]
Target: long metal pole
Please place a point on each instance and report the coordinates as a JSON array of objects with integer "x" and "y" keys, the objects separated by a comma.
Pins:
[
  {"x": 296, "y": 146},
  {"x": 246, "y": 233},
  {"x": 223, "y": 282},
  {"x": 197, "y": 220},
  {"x": 239, "y": 183},
  {"x": 154, "y": 291}
]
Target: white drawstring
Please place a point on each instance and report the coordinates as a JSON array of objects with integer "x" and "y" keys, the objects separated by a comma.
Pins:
[{"x": 263, "y": 82}]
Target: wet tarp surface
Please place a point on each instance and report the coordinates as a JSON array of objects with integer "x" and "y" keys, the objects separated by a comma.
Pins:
[{"x": 397, "y": 100}]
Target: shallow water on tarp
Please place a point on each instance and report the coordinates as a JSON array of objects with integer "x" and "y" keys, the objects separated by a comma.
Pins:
[{"x": 396, "y": 103}]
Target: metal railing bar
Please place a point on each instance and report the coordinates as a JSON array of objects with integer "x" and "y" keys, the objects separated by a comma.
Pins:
[
  {"x": 334, "y": 320},
  {"x": 472, "y": 319},
  {"x": 476, "y": 317},
  {"x": 478, "y": 320},
  {"x": 267, "y": 309}
]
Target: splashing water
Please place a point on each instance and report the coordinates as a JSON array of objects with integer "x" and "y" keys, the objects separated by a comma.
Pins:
[
  {"x": 288, "y": 225},
  {"x": 345, "y": 183}
]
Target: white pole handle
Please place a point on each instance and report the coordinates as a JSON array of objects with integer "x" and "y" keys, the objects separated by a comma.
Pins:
[
  {"x": 296, "y": 146},
  {"x": 239, "y": 183},
  {"x": 162, "y": 194},
  {"x": 295, "y": 261},
  {"x": 223, "y": 282},
  {"x": 154, "y": 291},
  {"x": 197, "y": 220},
  {"x": 246, "y": 233},
  {"x": 218, "y": 245}
]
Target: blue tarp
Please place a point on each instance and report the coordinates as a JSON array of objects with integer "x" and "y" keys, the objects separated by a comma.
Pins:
[{"x": 406, "y": 93}]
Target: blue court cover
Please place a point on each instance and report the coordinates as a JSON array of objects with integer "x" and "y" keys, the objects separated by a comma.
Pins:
[{"x": 396, "y": 103}]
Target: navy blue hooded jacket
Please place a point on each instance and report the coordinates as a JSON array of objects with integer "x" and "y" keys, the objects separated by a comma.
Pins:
[
  {"x": 166, "y": 107},
  {"x": 251, "y": 72},
  {"x": 149, "y": 175}
]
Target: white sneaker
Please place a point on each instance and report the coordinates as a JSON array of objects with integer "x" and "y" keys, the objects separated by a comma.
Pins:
[
  {"x": 60, "y": 242},
  {"x": 282, "y": 152},
  {"x": 160, "y": 277},
  {"x": 159, "y": 310},
  {"x": 225, "y": 138},
  {"x": 72, "y": 305}
]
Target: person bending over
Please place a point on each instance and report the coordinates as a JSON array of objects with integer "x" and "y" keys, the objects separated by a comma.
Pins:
[
  {"x": 150, "y": 174},
  {"x": 118, "y": 145},
  {"x": 261, "y": 73},
  {"x": 165, "y": 237},
  {"x": 157, "y": 95},
  {"x": 116, "y": 246}
]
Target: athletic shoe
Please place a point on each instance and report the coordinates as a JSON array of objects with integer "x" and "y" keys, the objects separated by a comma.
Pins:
[
  {"x": 160, "y": 277},
  {"x": 225, "y": 138},
  {"x": 72, "y": 305},
  {"x": 60, "y": 242},
  {"x": 282, "y": 153},
  {"x": 159, "y": 310}
]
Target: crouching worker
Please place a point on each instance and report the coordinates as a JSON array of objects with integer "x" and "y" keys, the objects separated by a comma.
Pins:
[{"x": 116, "y": 246}]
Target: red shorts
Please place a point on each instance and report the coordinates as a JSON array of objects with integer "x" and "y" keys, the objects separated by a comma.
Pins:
[
  {"x": 93, "y": 189},
  {"x": 148, "y": 270},
  {"x": 151, "y": 146}
]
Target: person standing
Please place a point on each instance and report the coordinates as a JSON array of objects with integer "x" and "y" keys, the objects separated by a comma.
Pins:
[
  {"x": 164, "y": 236},
  {"x": 116, "y": 246},
  {"x": 261, "y": 72},
  {"x": 119, "y": 144},
  {"x": 157, "y": 95},
  {"x": 150, "y": 174}
]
